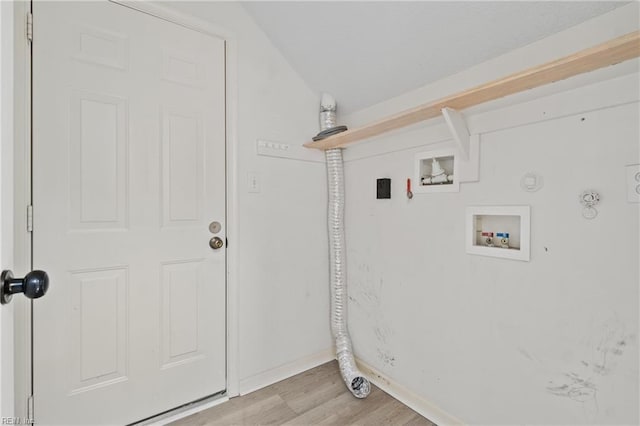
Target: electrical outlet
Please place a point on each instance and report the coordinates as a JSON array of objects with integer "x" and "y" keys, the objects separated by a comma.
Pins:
[
  {"x": 253, "y": 182},
  {"x": 633, "y": 183}
]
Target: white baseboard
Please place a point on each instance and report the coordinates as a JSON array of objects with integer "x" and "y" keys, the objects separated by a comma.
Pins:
[
  {"x": 181, "y": 413},
  {"x": 402, "y": 394},
  {"x": 407, "y": 397},
  {"x": 269, "y": 377}
]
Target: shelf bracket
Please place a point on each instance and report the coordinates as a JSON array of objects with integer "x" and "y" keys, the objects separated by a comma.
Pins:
[
  {"x": 469, "y": 170},
  {"x": 458, "y": 128}
]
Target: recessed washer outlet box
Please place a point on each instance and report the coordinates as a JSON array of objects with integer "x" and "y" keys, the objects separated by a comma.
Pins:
[
  {"x": 499, "y": 231},
  {"x": 436, "y": 171}
]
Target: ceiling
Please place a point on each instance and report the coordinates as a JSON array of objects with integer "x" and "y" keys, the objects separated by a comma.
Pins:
[{"x": 365, "y": 52}]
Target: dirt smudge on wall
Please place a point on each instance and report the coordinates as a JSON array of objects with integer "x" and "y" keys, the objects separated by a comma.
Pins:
[
  {"x": 386, "y": 358},
  {"x": 605, "y": 344},
  {"x": 574, "y": 387},
  {"x": 610, "y": 343},
  {"x": 366, "y": 296}
]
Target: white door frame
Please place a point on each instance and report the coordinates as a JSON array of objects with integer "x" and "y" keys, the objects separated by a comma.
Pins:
[
  {"x": 21, "y": 182},
  {"x": 6, "y": 202},
  {"x": 22, "y": 187}
]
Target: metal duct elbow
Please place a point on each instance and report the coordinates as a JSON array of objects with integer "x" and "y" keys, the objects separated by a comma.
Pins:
[{"x": 353, "y": 378}]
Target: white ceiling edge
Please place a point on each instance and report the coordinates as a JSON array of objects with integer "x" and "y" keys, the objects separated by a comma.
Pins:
[
  {"x": 367, "y": 52},
  {"x": 600, "y": 29}
]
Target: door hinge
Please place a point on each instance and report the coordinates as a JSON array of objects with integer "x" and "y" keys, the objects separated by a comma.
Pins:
[
  {"x": 29, "y": 218},
  {"x": 29, "y": 27},
  {"x": 30, "y": 410}
]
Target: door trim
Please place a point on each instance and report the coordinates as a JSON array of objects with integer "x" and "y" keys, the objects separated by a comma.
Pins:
[
  {"x": 22, "y": 198},
  {"x": 22, "y": 155}
]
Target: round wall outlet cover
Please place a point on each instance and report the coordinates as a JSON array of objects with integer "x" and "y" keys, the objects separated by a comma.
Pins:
[{"x": 531, "y": 182}]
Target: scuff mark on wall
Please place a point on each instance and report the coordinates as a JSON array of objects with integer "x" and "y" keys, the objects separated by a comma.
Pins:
[
  {"x": 619, "y": 349},
  {"x": 573, "y": 387},
  {"x": 386, "y": 358},
  {"x": 511, "y": 334},
  {"x": 526, "y": 354},
  {"x": 612, "y": 340},
  {"x": 369, "y": 297},
  {"x": 382, "y": 333},
  {"x": 579, "y": 389},
  {"x": 607, "y": 343},
  {"x": 366, "y": 296},
  {"x": 365, "y": 293}
]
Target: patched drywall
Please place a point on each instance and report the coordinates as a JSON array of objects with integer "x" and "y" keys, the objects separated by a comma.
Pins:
[
  {"x": 496, "y": 341},
  {"x": 283, "y": 276}
]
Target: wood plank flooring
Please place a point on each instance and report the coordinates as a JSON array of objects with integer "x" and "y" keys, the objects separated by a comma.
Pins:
[{"x": 315, "y": 397}]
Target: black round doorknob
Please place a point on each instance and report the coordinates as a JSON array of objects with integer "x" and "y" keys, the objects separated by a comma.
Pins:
[{"x": 34, "y": 285}]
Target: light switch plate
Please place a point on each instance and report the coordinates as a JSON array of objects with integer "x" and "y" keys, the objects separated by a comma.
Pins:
[{"x": 633, "y": 183}]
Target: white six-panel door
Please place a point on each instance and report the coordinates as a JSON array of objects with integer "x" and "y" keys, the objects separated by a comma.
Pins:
[{"x": 128, "y": 173}]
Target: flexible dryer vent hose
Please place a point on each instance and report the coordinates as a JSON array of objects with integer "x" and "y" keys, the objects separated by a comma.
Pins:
[{"x": 355, "y": 381}]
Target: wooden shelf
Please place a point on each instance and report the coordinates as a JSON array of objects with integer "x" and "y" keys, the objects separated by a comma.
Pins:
[{"x": 609, "y": 53}]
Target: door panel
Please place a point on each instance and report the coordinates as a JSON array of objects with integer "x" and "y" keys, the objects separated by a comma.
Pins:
[
  {"x": 182, "y": 150},
  {"x": 98, "y": 161},
  {"x": 99, "y": 333},
  {"x": 128, "y": 172}
]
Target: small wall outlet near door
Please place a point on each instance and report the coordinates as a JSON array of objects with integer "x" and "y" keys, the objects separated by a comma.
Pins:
[{"x": 499, "y": 231}]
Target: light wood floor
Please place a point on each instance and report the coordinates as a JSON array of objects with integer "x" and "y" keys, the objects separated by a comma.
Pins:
[{"x": 315, "y": 397}]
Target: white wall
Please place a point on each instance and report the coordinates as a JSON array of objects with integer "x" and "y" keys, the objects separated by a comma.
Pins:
[
  {"x": 283, "y": 272},
  {"x": 494, "y": 341}
]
